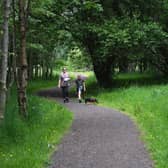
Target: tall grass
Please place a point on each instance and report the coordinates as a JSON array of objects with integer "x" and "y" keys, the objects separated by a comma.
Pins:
[
  {"x": 29, "y": 143},
  {"x": 146, "y": 101}
]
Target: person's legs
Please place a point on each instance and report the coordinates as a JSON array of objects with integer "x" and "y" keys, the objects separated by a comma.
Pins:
[
  {"x": 83, "y": 94},
  {"x": 67, "y": 94},
  {"x": 64, "y": 93},
  {"x": 79, "y": 95}
]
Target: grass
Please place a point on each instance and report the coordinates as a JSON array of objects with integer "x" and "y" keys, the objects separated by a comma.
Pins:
[
  {"x": 41, "y": 84},
  {"x": 138, "y": 79},
  {"x": 146, "y": 102},
  {"x": 25, "y": 144}
]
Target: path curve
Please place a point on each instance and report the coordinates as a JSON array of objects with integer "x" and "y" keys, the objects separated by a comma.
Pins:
[{"x": 99, "y": 138}]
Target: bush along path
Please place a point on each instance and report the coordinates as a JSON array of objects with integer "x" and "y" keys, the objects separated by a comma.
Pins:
[{"x": 99, "y": 138}]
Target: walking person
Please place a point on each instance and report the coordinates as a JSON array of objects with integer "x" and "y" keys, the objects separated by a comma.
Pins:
[
  {"x": 63, "y": 83},
  {"x": 80, "y": 87}
]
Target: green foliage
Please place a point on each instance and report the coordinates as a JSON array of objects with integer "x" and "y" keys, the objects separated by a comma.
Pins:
[
  {"x": 143, "y": 9},
  {"x": 119, "y": 32},
  {"x": 109, "y": 31},
  {"x": 77, "y": 61},
  {"x": 129, "y": 35},
  {"x": 129, "y": 38}
]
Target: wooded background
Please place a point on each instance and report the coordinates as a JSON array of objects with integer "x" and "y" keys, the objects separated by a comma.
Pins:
[{"x": 106, "y": 36}]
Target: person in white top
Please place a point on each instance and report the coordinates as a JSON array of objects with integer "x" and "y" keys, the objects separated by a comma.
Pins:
[{"x": 63, "y": 83}]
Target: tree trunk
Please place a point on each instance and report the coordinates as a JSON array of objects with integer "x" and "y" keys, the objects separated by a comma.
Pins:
[
  {"x": 41, "y": 72},
  {"x": 22, "y": 74},
  {"x": 47, "y": 73},
  {"x": 51, "y": 72},
  {"x": 10, "y": 75},
  {"x": 14, "y": 41},
  {"x": 102, "y": 69},
  {"x": 103, "y": 72},
  {"x": 36, "y": 71},
  {"x": 123, "y": 65},
  {"x": 4, "y": 59},
  {"x": 30, "y": 67}
]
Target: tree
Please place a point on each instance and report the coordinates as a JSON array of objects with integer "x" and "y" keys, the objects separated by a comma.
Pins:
[
  {"x": 22, "y": 74},
  {"x": 4, "y": 59}
]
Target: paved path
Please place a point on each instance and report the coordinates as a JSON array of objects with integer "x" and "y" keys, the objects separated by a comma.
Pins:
[{"x": 99, "y": 138}]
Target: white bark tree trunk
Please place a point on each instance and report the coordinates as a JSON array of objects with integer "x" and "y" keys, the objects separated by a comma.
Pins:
[{"x": 4, "y": 59}]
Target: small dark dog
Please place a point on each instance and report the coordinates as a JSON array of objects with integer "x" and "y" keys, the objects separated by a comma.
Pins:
[{"x": 91, "y": 100}]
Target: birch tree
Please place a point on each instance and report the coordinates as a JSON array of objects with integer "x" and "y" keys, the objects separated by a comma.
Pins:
[{"x": 4, "y": 59}]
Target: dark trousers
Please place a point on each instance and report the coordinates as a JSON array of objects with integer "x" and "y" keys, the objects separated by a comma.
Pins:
[{"x": 65, "y": 92}]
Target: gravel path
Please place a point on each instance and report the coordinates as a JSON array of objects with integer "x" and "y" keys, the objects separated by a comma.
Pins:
[{"x": 99, "y": 138}]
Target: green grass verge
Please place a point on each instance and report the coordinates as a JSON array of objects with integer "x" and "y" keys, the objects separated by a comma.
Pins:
[
  {"x": 35, "y": 85},
  {"x": 30, "y": 143},
  {"x": 146, "y": 104}
]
